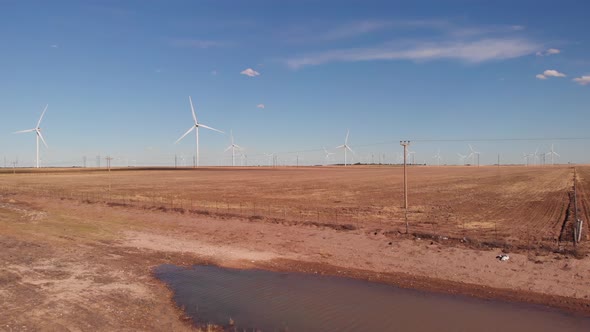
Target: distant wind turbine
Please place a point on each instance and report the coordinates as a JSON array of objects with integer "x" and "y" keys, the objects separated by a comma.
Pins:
[
  {"x": 438, "y": 157},
  {"x": 345, "y": 147},
  {"x": 327, "y": 154},
  {"x": 37, "y": 130},
  {"x": 233, "y": 148},
  {"x": 462, "y": 158},
  {"x": 473, "y": 154},
  {"x": 196, "y": 127},
  {"x": 552, "y": 153},
  {"x": 270, "y": 158},
  {"x": 525, "y": 157}
]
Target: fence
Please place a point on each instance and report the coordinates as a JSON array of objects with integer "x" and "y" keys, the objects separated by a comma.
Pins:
[{"x": 378, "y": 219}]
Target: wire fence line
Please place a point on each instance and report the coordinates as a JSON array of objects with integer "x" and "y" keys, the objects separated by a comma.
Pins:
[{"x": 376, "y": 220}]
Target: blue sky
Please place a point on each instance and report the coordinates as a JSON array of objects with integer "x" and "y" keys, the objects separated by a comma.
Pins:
[{"x": 117, "y": 76}]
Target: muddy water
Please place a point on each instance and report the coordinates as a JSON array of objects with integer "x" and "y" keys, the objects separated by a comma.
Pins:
[{"x": 271, "y": 301}]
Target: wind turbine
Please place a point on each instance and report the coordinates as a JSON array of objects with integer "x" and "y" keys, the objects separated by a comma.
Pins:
[
  {"x": 233, "y": 148},
  {"x": 37, "y": 130},
  {"x": 473, "y": 155},
  {"x": 345, "y": 146},
  {"x": 552, "y": 153},
  {"x": 525, "y": 157},
  {"x": 462, "y": 158},
  {"x": 412, "y": 156},
  {"x": 196, "y": 127},
  {"x": 438, "y": 157},
  {"x": 328, "y": 154},
  {"x": 270, "y": 158},
  {"x": 536, "y": 159}
]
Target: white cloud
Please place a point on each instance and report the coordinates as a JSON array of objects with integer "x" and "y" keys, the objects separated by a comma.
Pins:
[
  {"x": 353, "y": 29},
  {"x": 54, "y": 46},
  {"x": 198, "y": 43},
  {"x": 250, "y": 72},
  {"x": 548, "y": 52},
  {"x": 214, "y": 72},
  {"x": 260, "y": 106},
  {"x": 553, "y": 73},
  {"x": 471, "y": 51},
  {"x": 583, "y": 80},
  {"x": 541, "y": 77}
]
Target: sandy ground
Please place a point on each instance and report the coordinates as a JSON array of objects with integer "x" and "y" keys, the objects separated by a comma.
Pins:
[{"x": 70, "y": 265}]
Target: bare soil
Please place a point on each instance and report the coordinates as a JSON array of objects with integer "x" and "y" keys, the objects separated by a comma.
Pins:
[{"x": 76, "y": 256}]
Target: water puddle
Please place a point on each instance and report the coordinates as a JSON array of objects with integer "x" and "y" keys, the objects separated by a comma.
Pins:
[{"x": 270, "y": 301}]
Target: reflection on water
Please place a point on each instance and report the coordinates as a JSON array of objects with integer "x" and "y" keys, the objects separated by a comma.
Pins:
[{"x": 271, "y": 301}]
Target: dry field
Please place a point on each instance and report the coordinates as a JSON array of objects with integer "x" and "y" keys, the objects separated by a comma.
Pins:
[
  {"x": 515, "y": 206},
  {"x": 77, "y": 247}
]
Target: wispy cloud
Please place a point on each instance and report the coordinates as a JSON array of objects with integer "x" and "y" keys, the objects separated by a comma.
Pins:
[
  {"x": 549, "y": 73},
  {"x": 250, "y": 72},
  {"x": 54, "y": 46},
  {"x": 582, "y": 80},
  {"x": 548, "y": 52},
  {"x": 198, "y": 43},
  {"x": 260, "y": 106},
  {"x": 470, "y": 51},
  {"x": 353, "y": 29}
]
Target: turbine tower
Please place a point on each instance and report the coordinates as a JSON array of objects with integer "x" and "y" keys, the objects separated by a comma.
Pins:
[
  {"x": 437, "y": 157},
  {"x": 37, "y": 130},
  {"x": 552, "y": 153},
  {"x": 196, "y": 127},
  {"x": 462, "y": 158},
  {"x": 270, "y": 158},
  {"x": 233, "y": 148},
  {"x": 345, "y": 146},
  {"x": 473, "y": 154}
]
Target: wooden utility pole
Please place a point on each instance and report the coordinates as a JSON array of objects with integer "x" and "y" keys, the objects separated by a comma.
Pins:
[{"x": 405, "y": 145}]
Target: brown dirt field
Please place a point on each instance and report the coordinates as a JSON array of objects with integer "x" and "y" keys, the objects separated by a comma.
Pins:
[
  {"x": 75, "y": 257},
  {"x": 508, "y": 206}
]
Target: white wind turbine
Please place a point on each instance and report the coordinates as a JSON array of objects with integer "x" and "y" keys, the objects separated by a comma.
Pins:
[
  {"x": 536, "y": 159},
  {"x": 525, "y": 157},
  {"x": 462, "y": 158},
  {"x": 345, "y": 147},
  {"x": 327, "y": 154},
  {"x": 37, "y": 130},
  {"x": 473, "y": 154},
  {"x": 411, "y": 156},
  {"x": 552, "y": 153},
  {"x": 271, "y": 157},
  {"x": 196, "y": 127},
  {"x": 437, "y": 157},
  {"x": 233, "y": 148}
]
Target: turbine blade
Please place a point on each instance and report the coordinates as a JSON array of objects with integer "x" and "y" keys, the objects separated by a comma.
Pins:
[
  {"x": 24, "y": 131},
  {"x": 210, "y": 128},
  {"x": 41, "y": 137},
  {"x": 42, "y": 114},
  {"x": 183, "y": 136},
  {"x": 346, "y": 139},
  {"x": 339, "y": 146},
  {"x": 228, "y": 148},
  {"x": 193, "y": 110},
  {"x": 557, "y": 154}
]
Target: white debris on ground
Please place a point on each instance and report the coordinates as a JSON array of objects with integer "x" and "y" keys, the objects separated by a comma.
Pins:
[{"x": 503, "y": 257}]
